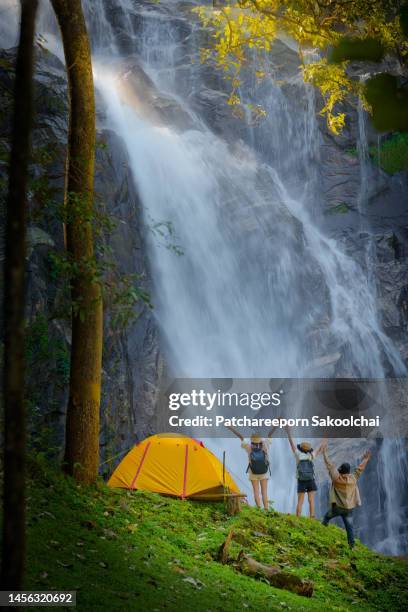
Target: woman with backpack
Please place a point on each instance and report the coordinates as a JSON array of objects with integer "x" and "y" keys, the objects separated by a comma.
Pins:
[
  {"x": 306, "y": 482},
  {"x": 258, "y": 470}
]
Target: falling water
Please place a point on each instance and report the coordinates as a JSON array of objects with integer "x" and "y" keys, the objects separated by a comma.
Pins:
[
  {"x": 247, "y": 284},
  {"x": 392, "y": 464},
  {"x": 241, "y": 299}
]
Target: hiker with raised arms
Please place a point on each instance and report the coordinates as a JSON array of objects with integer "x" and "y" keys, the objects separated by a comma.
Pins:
[
  {"x": 344, "y": 494},
  {"x": 306, "y": 481},
  {"x": 258, "y": 468}
]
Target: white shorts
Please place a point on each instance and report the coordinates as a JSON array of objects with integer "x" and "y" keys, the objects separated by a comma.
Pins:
[{"x": 252, "y": 476}]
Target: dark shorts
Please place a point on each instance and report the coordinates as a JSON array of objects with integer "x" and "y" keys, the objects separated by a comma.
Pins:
[{"x": 305, "y": 486}]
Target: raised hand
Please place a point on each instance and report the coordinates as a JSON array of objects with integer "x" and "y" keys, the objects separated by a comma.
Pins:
[{"x": 322, "y": 448}]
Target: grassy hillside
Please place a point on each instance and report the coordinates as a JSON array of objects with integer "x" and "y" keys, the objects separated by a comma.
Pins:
[{"x": 133, "y": 551}]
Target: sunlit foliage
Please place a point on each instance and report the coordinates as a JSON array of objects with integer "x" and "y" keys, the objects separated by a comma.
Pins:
[{"x": 244, "y": 30}]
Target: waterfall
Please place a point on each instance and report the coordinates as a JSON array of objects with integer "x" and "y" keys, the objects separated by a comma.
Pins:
[
  {"x": 392, "y": 466},
  {"x": 238, "y": 301},
  {"x": 247, "y": 283}
]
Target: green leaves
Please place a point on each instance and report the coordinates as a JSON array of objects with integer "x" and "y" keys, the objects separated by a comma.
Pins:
[
  {"x": 392, "y": 154},
  {"x": 361, "y": 30},
  {"x": 403, "y": 18},
  {"x": 124, "y": 296},
  {"x": 388, "y": 102},
  {"x": 361, "y": 49}
]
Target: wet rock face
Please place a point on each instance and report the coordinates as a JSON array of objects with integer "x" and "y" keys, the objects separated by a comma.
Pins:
[
  {"x": 132, "y": 362},
  {"x": 48, "y": 334},
  {"x": 139, "y": 91}
]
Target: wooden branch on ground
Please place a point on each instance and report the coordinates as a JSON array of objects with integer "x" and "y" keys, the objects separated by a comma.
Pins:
[{"x": 274, "y": 575}]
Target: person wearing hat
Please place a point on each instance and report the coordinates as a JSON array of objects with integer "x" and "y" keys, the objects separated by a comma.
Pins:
[
  {"x": 306, "y": 482},
  {"x": 258, "y": 469},
  {"x": 344, "y": 494}
]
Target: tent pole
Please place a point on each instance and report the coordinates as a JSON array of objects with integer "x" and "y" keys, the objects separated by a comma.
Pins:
[{"x": 223, "y": 474}]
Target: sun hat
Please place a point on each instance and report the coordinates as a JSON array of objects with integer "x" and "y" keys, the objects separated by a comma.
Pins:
[{"x": 305, "y": 447}]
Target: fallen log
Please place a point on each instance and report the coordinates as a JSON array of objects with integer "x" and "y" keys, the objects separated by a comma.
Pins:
[{"x": 274, "y": 575}]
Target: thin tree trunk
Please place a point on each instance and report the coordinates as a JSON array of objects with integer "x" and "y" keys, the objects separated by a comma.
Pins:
[
  {"x": 13, "y": 542},
  {"x": 82, "y": 427}
]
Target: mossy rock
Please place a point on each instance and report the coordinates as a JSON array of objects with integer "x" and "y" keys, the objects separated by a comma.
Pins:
[{"x": 338, "y": 209}]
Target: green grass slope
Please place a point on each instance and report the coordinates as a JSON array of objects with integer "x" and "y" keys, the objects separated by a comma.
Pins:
[{"x": 126, "y": 550}]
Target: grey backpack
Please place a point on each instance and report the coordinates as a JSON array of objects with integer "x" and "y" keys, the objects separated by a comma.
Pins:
[{"x": 305, "y": 470}]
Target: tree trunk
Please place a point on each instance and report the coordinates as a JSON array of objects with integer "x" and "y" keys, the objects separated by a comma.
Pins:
[
  {"x": 13, "y": 543},
  {"x": 233, "y": 505},
  {"x": 82, "y": 427},
  {"x": 274, "y": 575}
]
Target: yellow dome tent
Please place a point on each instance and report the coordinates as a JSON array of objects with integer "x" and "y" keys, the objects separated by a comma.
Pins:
[{"x": 173, "y": 465}]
